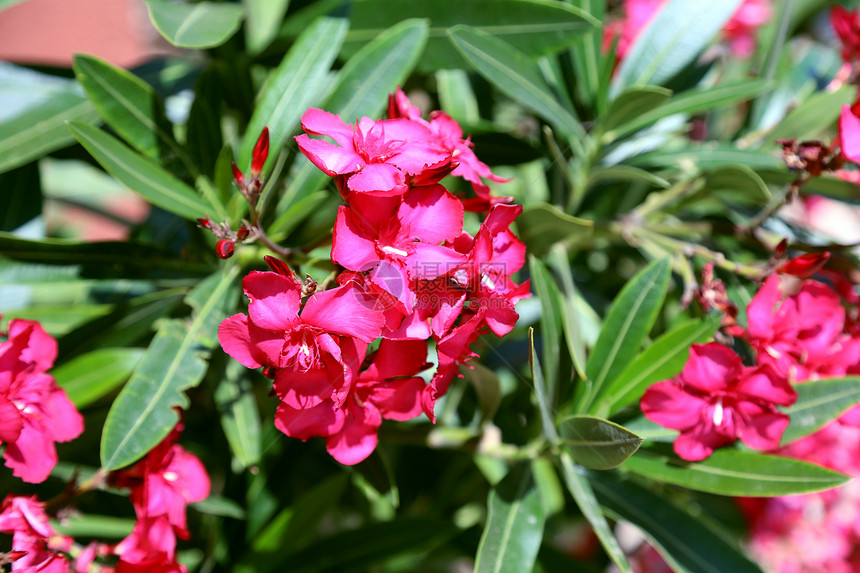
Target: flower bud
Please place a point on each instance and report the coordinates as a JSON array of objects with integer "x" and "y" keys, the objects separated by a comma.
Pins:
[
  {"x": 242, "y": 233},
  {"x": 224, "y": 248},
  {"x": 238, "y": 176},
  {"x": 805, "y": 265},
  {"x": 260, "y": 154}
]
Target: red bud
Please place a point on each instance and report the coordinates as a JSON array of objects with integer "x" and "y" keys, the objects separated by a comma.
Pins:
[
  {"x": 805, "y": 265},
  {"x": 242, "y": 233},
  {"x": 224, "y": 248},
  {"x": 205, "y": 223},
  {"x": 261, "y": 152},
  {"x": 238, "y": 176},
  {"x": 781, "y": 248},
  {"x": 278, "y": 266}
]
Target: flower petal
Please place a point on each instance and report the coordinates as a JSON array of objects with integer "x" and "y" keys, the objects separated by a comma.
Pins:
[
  {"x": 668, "y": 404},
  {"x": 345, "y": 310},
  {"x": 274, "y": 299},
  {"x": 236, "y": 341},
  {"x": 711, "y": 367}
]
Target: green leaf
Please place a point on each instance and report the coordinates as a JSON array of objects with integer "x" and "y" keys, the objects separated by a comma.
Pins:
[
  {"x": 128, "y": 104},
  {"x": 293, "y": 86},
  {"x": 709, "y": 156},
  {"x": 142, "y": 174},
  {"x": 586, "y": 53},
  {"x": 819, "y": 402},
  {"x": 673, "y": 39},
  {"x": 580, "y": 488},
  {"x": 90, "y": 376},
  {"x": 738, "y": 182},
  {"x": 488, "y": 389},
  {"x": 597, "y": 443},
  {"x": 626, "y": 173},
  {"x": 514, "y": 74},
  {"x": 550, "y": 322},
  {"x": 263, "y": 18},
  {"x": 514, "y": 528},
  {"x": 734, "y": 472},
  {"x": 687, "y": 543},
  {"x": 240, "y": 416},
  {"x": 546, "y": 411},
  {"x": 832, "y": 187},
  {"x": 41, "y": 129},
  {"x": 542, "y": 225},
  {"x": 691, "y": 102},
  {"x": 810, "y": 118},
  {"x": 88, "y": 525},
  {"x": 198, "y": 25},
  {"x": 21, "y": 198},
  {"x": 143, "y": 414},
  {"x": 572, "y": 320},
  {"x": 662, "y": 360},
  {"x": 216, "y": 505},
  {"x": 533, "y": 27},
  {"x": 633, "y": 103},
  {"x": 628, "y": 322},
  {"x": 203, "y": 137},
  {"x": 456, "y": 96}
]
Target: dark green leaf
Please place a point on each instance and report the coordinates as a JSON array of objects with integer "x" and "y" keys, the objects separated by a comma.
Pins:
[
  {"x": 488, "y": 389},
  {"x": 673, "y": 39},
  {"x": 628, "y": 322},
  {"x": 513, "y": 73},
  {"x": 544, "y": 404},
  {"x": 687, "y": 543},
  {"x": 550, "y": 321},
  {"x": 128, "y": 104},
  {"x": 514, "y": 528},
  {"x": 534, "y": 27},
  {"x": 21, "y": 198},
  {"x": 142, "y": 174},
  {"x": 738, "y": 182},
  {"x": 542, "y": 225},
  {"x": 572, "y": 319},
  {"x": 203, "y": 138},
  {"x": 626, "y": 173},
  {"x": 662, "y": 360},
  {"x": 735, "y": 472},
  {"x": 597, "y": 443},
  {"x": 819, "y": 402},
  {"x": 240, "y": 416},
  {"x": 198, "y": 25},
  {"x": 216, "y": 505},
  {"x": 293, "y": 86},
  {"x": 633, "y": 103},
  {"x": 90, "y": 376},
  {"x": 41, "y": 129},
  {"x": 143, "y": 414},
  {"x": 100, "y": 526},
  {"x": 586, "y": 53}
]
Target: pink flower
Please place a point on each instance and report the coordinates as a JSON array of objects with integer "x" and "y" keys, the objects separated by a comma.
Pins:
[
  {"x": 165, "y": 481},
  {"x": 849, "y": 133},
  {"x": 151, "y": 548},
  {"x": 25, "y": 519},
  {"x": 716, "y": 400},
  {"x": 375, "y": 157},
  {"x": 34, "y": 412}
]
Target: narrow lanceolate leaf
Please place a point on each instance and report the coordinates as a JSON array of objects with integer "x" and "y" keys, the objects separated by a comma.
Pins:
[
  {"x": 673, "y": 39},
  {"x": 294, "y": 85},
  {"x": 90, "y": 376},
  {"x": 550, "y": 322},
  {"x": 514, "y": 74},
  {"x": 141, "y": 174},
  {"x": 633, "y": 103},
  {"x": 514, "y": 529},
  {"x": 42, "y": 129},
  {"x": 143, "y": 413},
  {"x": 819, "y": 402},
  {"x": 809, "y": 118},
  {"x": 630, "y": 318},
  {"x": 597, "y": 443},
  {"x": 735, "y": 472},
  {"x": 535, "y": 27},
  {"x": 240, "y": 416},
  {"x": 199, "y": 25},
  {"x": 585, "y": 52},
  {"x": 688, "y": 544},
  {"x": 361, "y": 88},
  {"x": 546, "y": 411},
  {"x": 580, "y": 488},
  {"x": 572, "y": 319},
  {"x": 127, "y": 104},
  {"x": 542, "y": 225},
  {"x": 262, "y": 20},
  {"x": 660, "y": 361}
]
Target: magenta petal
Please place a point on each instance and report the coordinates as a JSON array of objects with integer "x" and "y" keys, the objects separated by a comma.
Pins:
[
  {"x": 398, "y": 399},
  {"x": 765, "y": 427},
  {"x": 700, "y": 442},
  {"x": 711, "y": 367},
  {"x": 331, "y": 159},
  {"x": 849, "y": 133},
  {"x": 431, "y": 261},
  {"x": 302, "y": 389},
  {"x": 318, "y": 421},
  {"x": 357, "y": 438},
  {"x": 274, "y": 299},
  {"x": 666, "y": 403},
  {"x": 33, "y": 455},
  {"x": 764, "y": 384},
  {"x": 10, "y": 421},
  {"x": 762, "y": 308},
  {"x": 61, "y": 417},
  {"x": 352, "y": 246},
  {"x": 345, "y": 310},
  {"x": 396, "y": 358},
  {"x": 236, "y": 341},
  {"x": 431, "y": 214},
  {"x": 41, "y": 347},
  {"x": 320, "y": 122},
  {"x": 378, "y": 178},
  {"x": 192, "y": 480}
]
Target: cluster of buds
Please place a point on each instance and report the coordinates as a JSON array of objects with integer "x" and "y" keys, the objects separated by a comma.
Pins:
[
  {"x": 812, "y": 157},
  {"x": 802, "y": 266},
  {"x": 227, "y": 238},
  {"x": 251, "y": 184}
]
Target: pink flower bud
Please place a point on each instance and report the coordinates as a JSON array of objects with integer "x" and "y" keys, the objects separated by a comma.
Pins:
[
  {"x": 224, "y": 248},
  {"x": 242, "y": 233},
  {"x": 238, "y": 176},
  {"x": 805, "y": 265},
  {"x": 278, "y": 266},
  {"x": 261, "y": 153},
  {"x": 206, "y": 223}
]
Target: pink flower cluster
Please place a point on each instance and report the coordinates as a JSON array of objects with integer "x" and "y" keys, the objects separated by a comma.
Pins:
[
  {"x": 739, "y": 31},
  {"x": 411, "y": 273},
  {"x": 161, "y": 486},
  {"x": 34, "y": 412}
]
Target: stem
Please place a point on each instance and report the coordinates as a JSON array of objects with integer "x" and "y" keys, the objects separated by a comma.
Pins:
[
  {"x": 691, "y": 249},
  {"x": 96, "y": 481},
  {"x": 282, "y": 252},
  {"x": 776, "y": 202}
]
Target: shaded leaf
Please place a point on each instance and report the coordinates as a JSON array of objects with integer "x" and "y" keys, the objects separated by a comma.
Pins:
[
  {"x": 488, "y": 389},
  {"x": 90, "y": 376},
  {"x": 198, "y": 25},
  {"x": 89, "y": 525},
  {"x": 633, "y": 103},
  {"x": 544, "y": 403},
  {"x": 626, "y": 173},
  {"x": 550, "y": 321},
  {"x": 709, "y": 156},
  {"x": 514, "y": 528},
  {"x": 21, "y": 197},
  {"x": 542, "y": 225},
  {"x": 240, "y": 416},
  {"x": 597, "y": 443},
  {"x": 263, "y": 18},
  {"x": 819, "y": 402},
  {"x": 738, "y": 182},
  {"x": 734, "y": 472},
  {"x": 143, "y": 414}
]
